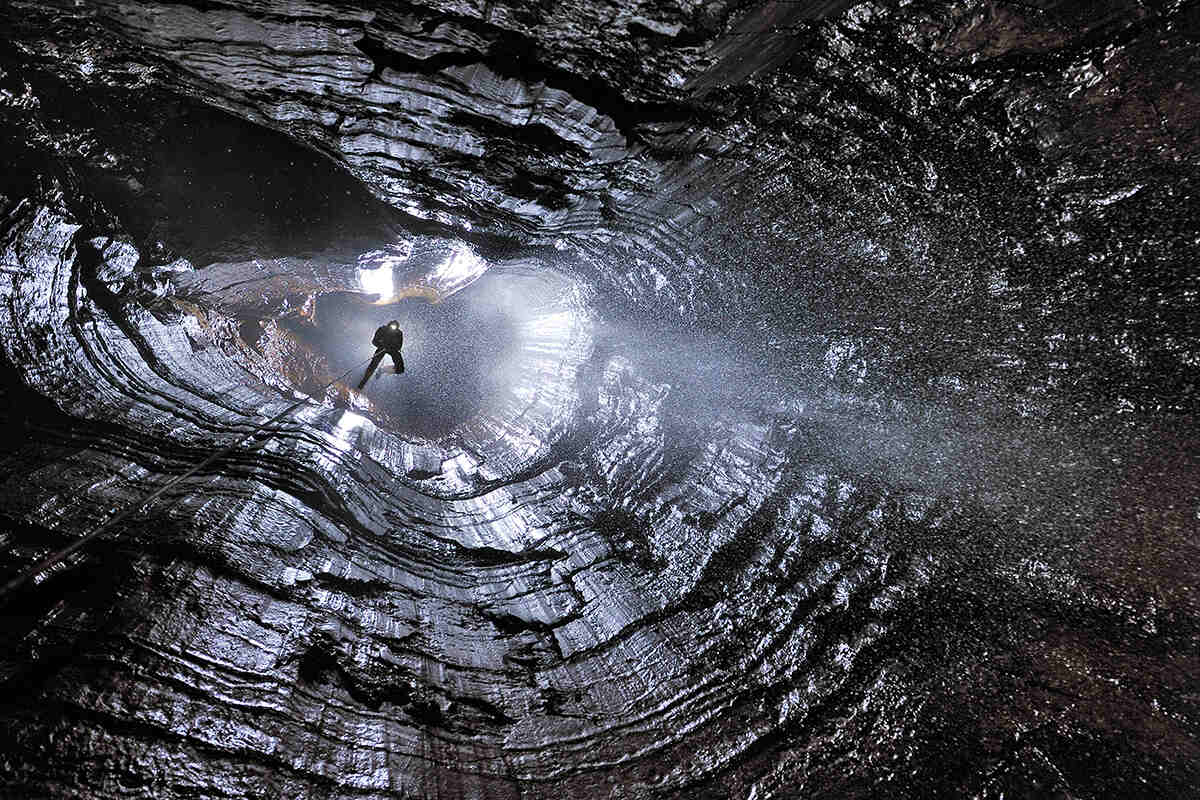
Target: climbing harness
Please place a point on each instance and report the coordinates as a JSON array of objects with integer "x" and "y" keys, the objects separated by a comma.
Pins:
[{"x": 54, "y": 558}]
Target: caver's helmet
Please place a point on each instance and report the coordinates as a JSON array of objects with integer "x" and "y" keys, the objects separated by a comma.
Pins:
[{"x": 388, "y": 335}]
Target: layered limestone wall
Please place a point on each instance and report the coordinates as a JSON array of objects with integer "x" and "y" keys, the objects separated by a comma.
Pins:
[{"x": 841, "y": 443}]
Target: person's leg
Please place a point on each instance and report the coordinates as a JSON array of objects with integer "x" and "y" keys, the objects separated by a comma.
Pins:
[
  {"x": 379, "y": 354},
  {"x": 398, "y": 362}
]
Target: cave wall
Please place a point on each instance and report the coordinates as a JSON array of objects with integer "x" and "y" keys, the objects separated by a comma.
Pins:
[
  {"x": 849, "y": 451},
  {"x": 715, "y": 162}
]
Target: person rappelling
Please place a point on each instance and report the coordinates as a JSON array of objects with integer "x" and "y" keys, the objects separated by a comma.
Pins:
[{"x": 388, "y": 339}]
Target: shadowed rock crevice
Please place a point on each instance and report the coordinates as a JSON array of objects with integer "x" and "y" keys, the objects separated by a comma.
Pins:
[{"x": 511, "y": 55}]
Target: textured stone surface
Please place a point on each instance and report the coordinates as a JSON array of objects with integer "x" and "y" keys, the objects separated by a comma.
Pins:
[{"x": 837, "y": 436}]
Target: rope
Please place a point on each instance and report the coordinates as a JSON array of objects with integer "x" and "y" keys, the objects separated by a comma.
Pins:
[{"x": 54, "y": 558}]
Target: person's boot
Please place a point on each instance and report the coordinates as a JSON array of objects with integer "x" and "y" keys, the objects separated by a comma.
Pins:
[{"x": 367, "y": 375}]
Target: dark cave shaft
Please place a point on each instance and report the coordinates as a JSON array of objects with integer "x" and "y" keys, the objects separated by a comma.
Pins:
[{"x": 800, "y": 399}]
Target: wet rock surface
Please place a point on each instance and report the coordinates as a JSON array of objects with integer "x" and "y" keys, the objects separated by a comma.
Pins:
[{"x": 800, "y": 399}]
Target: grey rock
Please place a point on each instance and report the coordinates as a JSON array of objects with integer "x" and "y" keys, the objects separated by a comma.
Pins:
[
  {"x": 822, "y": 377},
  {"x": 116, "y": 260}
]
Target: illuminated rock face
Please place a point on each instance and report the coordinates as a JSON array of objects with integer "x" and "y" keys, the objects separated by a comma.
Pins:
[{"x": 800, "y": 400}]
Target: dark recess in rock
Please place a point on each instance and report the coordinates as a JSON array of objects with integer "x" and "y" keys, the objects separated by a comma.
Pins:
[{"x": 515, "y": 56}]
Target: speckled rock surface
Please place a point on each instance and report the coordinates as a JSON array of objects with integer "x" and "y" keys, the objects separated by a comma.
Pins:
[{"x": 800, "y": 399}]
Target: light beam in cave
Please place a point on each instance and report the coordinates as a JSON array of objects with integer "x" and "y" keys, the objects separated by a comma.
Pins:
[{"x": 800, "y": 400}]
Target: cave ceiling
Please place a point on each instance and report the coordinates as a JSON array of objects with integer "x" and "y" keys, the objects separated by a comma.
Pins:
[{"x": 799, "y": 400}]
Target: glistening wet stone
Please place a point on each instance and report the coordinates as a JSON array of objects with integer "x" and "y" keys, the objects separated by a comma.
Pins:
[{"x": 844, "y": 446}]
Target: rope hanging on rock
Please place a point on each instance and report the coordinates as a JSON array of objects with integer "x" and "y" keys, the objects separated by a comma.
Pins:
[{"x": 54, "y": 558}]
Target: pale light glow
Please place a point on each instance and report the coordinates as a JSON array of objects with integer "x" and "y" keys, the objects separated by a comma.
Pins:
[
  {"x": 459, "y": 270},
  {"x": 377, "y": 273},
  {"x": 551, "y": 326},
  {"x": 377, "y": 269},
  {"x": 378, "y": 281},
  {"x": 348, "y": 423}
]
